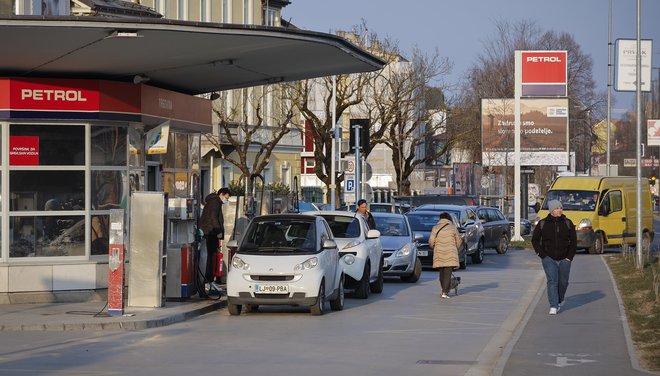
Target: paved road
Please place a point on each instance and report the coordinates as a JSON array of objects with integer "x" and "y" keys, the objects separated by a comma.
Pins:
[{"x": 407, "y": 330}]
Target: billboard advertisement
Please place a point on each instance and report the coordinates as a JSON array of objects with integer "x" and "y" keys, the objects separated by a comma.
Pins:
[
  {"x": 626, "y": 65},
  {"x": 653, "y": 132},
  {"x": 543, "y": 132}
]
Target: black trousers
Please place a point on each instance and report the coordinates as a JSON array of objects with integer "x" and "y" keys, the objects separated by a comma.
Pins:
[
  {"x": 445, "y": 279},
  {"x": 211, "y": 251}
]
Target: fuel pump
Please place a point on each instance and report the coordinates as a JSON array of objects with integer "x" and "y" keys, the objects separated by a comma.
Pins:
[{"x": 181, "y": 226}]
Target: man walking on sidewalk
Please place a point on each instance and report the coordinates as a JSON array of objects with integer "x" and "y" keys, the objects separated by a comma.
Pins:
[{"x": 555, "y": 242}]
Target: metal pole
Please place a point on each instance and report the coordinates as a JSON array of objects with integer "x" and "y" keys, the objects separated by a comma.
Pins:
[
  {"x": 358, "y": 163},
  {"x": 333, "y": 168},
  {"x": 516, "y": 147},
  {"x": 638, "y": 84},
  {"x": 609, "y": 89}
]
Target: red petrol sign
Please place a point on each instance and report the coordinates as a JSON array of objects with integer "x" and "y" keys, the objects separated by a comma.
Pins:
[
  {"x": 24, "y": 150},
  {"x": 544, "y": 73},
  {"x": 54, "y": 94}
]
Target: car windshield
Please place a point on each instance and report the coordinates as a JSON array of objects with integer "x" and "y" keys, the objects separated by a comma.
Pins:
[
  {"x": 343, "y": 226},
  {"x": 426, "y": 221},
  {"x": 391, "y": 226},
  {"x": 573, "y": 199},
  {"x": 280, "y": 236}
]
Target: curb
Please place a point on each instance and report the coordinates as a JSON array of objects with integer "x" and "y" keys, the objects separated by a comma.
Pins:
[{"x": 130, "y": 323}]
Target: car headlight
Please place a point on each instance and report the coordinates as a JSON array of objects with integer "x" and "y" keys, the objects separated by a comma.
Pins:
[
  {"x": 307, "y": 264},
  {"x": 349, "y": 259},
  {"x": 238, "y": 263},
  {"x": 404, "y": 251},
  {"x": 352, "y": 244},
  {"x": 585, "y": 224}
]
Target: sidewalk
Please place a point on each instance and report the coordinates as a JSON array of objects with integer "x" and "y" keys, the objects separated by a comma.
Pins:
[
  {"x": 93, "y": 315},
  {"x": 589, "y": 336}
]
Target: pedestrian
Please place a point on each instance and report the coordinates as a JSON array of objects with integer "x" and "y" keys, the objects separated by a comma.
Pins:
[
  {"x": 555, "y": 242},
  {"x": 213, "y": 224},
  {"x": 445, "y": 242},
  {"x": 362, "y": 210}
]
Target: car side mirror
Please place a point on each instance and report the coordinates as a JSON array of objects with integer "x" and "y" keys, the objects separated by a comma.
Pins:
[
  {"x": 232, "y": 244},
  {"x": 328, "y": 244},
  {"x": 461, "y": 230},
  {"x": 373, "y": 234}
]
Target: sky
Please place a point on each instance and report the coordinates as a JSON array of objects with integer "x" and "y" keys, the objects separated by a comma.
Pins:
[{"x": 459, "y": 28}]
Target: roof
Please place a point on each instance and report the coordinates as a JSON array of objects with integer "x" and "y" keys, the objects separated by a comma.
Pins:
[{"x": 187, "y": 57}]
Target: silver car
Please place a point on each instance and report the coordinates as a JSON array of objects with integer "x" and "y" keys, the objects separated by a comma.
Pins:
[{"x": 399, "y": 246}]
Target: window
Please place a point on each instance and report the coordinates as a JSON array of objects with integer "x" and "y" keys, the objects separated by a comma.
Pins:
[
  {"x": 47, "y": 145},
  {"x": 108, "y": 146},
  {"x": 226, "y": 11},
  {"x": 246, "y": 12}
]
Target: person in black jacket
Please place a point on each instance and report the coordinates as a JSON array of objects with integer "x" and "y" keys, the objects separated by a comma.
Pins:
[
  {"x": 213, "y": 224},
  {"x": 362, "y": 210},
  {"x": 555, "y": 242}
]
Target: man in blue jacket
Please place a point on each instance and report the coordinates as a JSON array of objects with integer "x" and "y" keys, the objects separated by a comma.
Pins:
[{"x": 555, "y": 242}]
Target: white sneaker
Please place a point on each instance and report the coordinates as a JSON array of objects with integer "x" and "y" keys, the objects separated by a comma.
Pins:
[
  {"x": 445, "y": 296},
  {"x": 553, "y": 311}
]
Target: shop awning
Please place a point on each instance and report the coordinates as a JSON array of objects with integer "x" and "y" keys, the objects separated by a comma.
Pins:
[{"x": 187, "y": 57}]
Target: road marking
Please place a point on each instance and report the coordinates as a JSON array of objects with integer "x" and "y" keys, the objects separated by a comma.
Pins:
[{"x": 563, "y": 360}]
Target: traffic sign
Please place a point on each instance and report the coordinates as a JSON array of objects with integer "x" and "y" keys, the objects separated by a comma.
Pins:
[{"x": 349, "y": 188}]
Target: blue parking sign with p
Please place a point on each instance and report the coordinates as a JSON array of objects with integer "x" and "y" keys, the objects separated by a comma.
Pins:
[{"x": 350, "y": 185}]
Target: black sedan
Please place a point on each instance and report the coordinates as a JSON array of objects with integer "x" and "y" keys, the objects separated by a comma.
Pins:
[{"x": 497, "y": 232}]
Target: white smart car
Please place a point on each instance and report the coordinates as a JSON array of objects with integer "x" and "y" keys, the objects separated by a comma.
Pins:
[
  {"x": 285, "y": 259},
  {"x": 360, "y": 251}
]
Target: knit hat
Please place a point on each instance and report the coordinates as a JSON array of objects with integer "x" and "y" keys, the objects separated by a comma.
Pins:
[{"x": 554, "y": 204}]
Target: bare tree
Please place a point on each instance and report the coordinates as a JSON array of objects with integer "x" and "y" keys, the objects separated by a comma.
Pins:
[{"x": 252, "y": 130}]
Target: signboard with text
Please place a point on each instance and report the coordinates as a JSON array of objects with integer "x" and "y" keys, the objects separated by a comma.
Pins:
[
  {"x": 24, "y": 150},
  {"x": 653, "y": 132},
  {"x": 626, "y": 64},
  {"x": 544, "y": 73},
  {"x": 543, "y": 131}
]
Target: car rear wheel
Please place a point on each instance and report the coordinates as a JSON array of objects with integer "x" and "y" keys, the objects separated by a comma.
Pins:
[
  {"x": 377, "y": 286},
  {"x": 503, "y": 246},
  {"x": 478, "y": 256},
  {"x": 362, "y": 292},
  {"x": 337, "y": 304},
  {"x": 234, "y": 309},
  {"x": 417, "y": 272},
  {"x": 317, "y": 308}
]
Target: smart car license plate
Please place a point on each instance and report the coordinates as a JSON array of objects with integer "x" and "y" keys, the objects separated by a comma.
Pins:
[
  {"x": 271, "y": 289},
  {"x": 422, "y": 253}
]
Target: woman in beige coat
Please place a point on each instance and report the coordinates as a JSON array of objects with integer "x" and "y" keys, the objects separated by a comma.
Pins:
[{"x": 445, "y": 241}]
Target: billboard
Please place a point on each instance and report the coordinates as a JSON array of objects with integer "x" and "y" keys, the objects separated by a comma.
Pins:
[
  {"x": 626, "y": 64},
  {"x": 653, "y": 132},
  {"x": 543, "y": 132},
  {"x": 544, "y": 73}
]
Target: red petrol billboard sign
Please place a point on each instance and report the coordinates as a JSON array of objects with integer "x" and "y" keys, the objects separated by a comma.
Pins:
[{"x": 544, "y": 73}]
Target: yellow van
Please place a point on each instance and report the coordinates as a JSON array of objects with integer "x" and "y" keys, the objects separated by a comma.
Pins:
[{"x": 603, "y": 209}]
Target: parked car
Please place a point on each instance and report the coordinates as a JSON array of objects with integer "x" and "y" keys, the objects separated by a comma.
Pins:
[
  {"x": 497, "y": 232},
  {"x": 360, "y": 251},
  {"x": 387, "y": 207},
  {"x": 439, "y": 199},
  {"x": 285, "y": 259},
  {"x": 468, "y": 221},
  {"x": 525, "y": 225},
  {"x": 421, "y": 222},
  {"x": 399, "y": 246}
]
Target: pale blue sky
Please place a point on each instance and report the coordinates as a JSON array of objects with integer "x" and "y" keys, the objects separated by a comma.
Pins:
[{"x": 458, "y": 28}]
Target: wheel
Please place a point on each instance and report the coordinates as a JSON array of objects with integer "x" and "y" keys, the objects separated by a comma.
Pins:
[
  {"x": 337, "y": 304},
  {"x": 503, "y": 246},
  {"x": 463, "y": 263},
  {"x": 377, "y": 286},
  {"x": 317, "y": 308},
  {"x": 252, "y": 307},
  {"x": 362, "y": 292},
  {"x": 478, "y": 256},
  {"x": 417, "y": 272},
  {"x": 234, "y": 309},
  {"x": 597, "y": 248}
]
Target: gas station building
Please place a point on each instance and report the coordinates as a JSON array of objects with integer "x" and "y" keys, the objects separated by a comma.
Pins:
[{"x": 94, "y": 110}]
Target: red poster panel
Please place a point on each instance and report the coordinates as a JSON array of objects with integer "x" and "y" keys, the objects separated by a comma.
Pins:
[{"x": 24, "y": 150}]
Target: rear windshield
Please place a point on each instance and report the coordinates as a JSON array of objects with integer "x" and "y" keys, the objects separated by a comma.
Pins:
[
  {"x": 285, "y": 236},
  {"x": 573, "y": 199},
  {"x": 423, "y": 222},
  {"x": 343, "y": 226}
]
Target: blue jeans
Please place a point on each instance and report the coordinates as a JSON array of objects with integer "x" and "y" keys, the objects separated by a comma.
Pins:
[{"x": 556, "y": 273}]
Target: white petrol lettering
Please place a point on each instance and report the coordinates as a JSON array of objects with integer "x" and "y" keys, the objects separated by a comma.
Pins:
[
  {"x": 53, "y": 95},
  {"x": 543, "y": 59}
]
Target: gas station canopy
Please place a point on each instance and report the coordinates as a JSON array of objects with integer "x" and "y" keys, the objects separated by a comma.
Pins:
[{"x": 187, "y": 57}]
